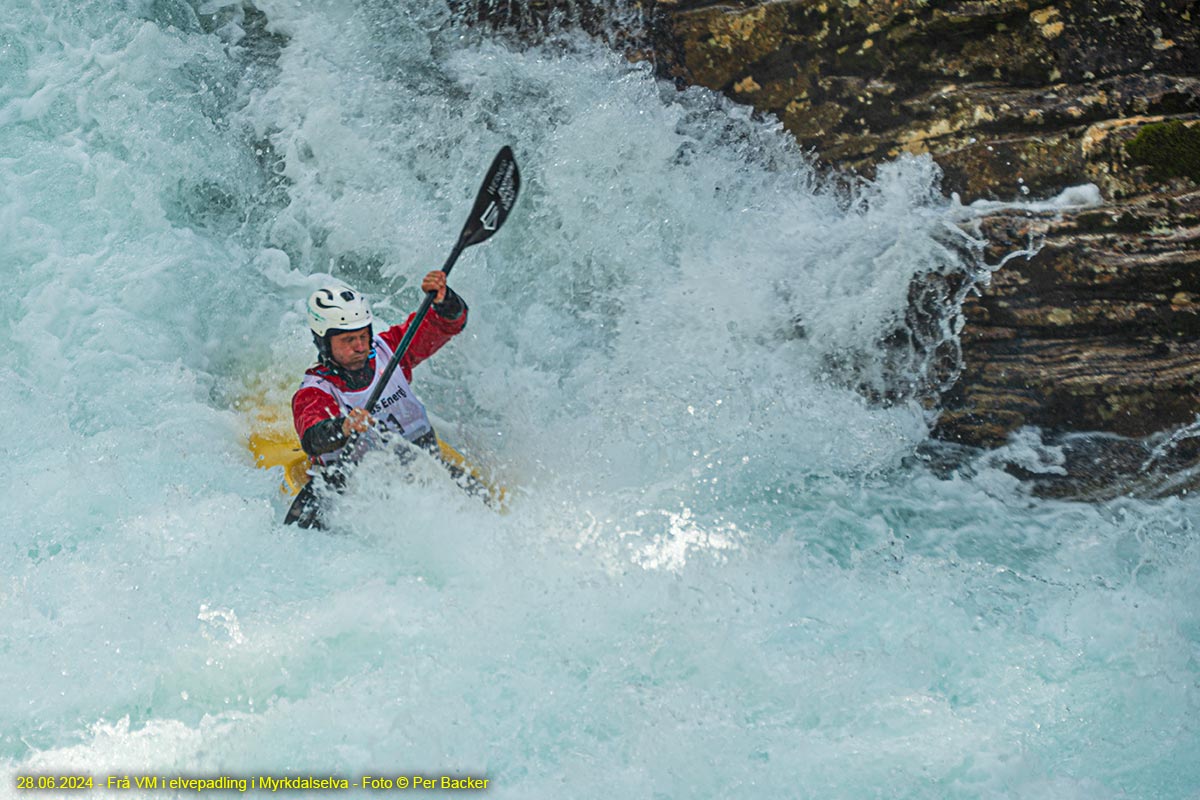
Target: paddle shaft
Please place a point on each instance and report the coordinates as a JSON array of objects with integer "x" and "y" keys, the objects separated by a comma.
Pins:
[
  {"x": 402, "y": 348},
  {"x": 492, "y": 203}
]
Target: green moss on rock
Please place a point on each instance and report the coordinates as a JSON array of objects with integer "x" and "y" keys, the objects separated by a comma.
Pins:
[{"x": 1170, "y": 149}]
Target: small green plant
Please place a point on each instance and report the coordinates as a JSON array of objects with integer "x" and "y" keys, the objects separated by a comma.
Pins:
[{"x": 1170, "y": 149}]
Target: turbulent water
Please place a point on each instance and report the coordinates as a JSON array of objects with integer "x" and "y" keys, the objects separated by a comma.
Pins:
[{"x": 722, "y": 574}]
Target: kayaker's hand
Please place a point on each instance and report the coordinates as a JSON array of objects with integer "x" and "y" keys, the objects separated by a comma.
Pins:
[
  {"x": 357, "y": 421},
  {"x": 435, "y": 282}
]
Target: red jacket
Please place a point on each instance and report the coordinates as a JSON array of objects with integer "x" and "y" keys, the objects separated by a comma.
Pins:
[{"x": 311, "y": 405}]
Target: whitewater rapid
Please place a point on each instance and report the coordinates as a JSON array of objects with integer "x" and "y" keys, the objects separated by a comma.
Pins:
[{"x": 723, "y": 573}]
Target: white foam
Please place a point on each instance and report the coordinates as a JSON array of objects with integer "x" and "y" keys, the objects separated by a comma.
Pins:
[{"x": 718, "y": 578}]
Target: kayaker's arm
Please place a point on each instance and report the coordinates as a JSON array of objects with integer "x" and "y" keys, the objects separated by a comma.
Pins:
[
  {"x": 448, "y": 319},
  {"x": 320, "y": 425},
  {"x": 324, "y": 437},
  {"x": 452, "y": 307},
  {"x": 446, "y": 302},
  {"x": 330, "y": 434}
]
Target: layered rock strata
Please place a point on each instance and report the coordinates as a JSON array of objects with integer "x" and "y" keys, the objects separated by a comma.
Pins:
[
  {"x": 1098, "y": 331},
  {"x": 1009, "y": 95}
]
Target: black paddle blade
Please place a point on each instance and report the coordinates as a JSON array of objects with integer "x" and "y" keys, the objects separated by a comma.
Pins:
[
  {"x": 496, "y": 198},
  {"x": 306, "y": 509}
]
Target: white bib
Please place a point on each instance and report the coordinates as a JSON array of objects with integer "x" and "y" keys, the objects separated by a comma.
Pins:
[{"x": 398, "y": 409}]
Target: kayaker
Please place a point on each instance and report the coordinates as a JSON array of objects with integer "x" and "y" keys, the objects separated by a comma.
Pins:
[{"x": 351, "y": 357}]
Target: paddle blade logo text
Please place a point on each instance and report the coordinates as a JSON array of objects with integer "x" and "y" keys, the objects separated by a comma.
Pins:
[{"x": 504, "y": 185}]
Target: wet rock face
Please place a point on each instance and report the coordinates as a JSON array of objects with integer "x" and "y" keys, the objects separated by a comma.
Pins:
[
  {"x": 1006, "y": 93},
  {"x": 1100, "y": 330}
]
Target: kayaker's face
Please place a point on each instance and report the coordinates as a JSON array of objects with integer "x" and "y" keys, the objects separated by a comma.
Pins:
[{"x": 351, "y": 349}]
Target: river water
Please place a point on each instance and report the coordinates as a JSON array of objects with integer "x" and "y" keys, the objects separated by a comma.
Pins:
[{"x": 724, "y": 572}]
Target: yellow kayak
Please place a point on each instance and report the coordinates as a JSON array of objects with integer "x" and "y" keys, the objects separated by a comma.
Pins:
[{"x": 273, "y": 442}]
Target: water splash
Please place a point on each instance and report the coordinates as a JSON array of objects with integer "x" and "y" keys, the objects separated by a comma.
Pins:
[{"x": 633, "y": 360}]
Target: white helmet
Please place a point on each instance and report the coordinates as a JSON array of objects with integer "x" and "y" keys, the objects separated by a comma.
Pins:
[{"x": 337, "y": 307}]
